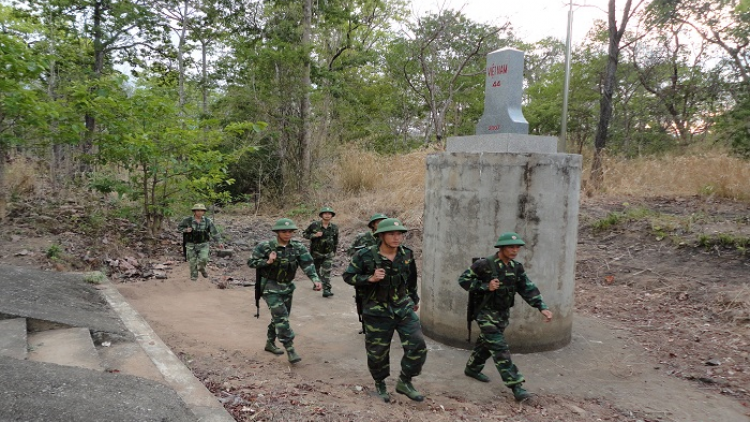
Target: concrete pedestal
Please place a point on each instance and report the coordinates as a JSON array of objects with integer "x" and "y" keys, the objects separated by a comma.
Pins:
[{"x": 470, "y": 199}]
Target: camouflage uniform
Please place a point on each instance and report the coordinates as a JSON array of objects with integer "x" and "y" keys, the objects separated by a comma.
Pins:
[
  {"x": 277, "y": 283},
  {"x": 197, "y": 248},
  {"x": 363, "y": 240},
  {"x": 388, "y": 306},
  {"x": 494, "y": 311},
  {"x": 323, "y": 249}
]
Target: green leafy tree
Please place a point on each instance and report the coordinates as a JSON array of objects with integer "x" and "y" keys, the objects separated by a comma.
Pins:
[
  {"x": 725, "y": 25},
  {"x": 444, "y": 58},
  {"x": 167, "y": 159},
  {"x": 21, "y": 110}
]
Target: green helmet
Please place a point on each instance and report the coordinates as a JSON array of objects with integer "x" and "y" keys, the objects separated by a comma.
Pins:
[
  {"x": 509, "y": 239},
  {"x": 390, "y": 225},
  {"x": 198, "y": 207},
  {"x": 284, "y": 224},
  {"x": 326, "y": 209},
  {"x": 376, "y": 217}
]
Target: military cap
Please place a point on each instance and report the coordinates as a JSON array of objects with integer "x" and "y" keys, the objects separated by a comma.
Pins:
[
  {"x": 376, "y": 217},
  {"x": 284, "y": 224},
  {"x": 509, "y": 239},
  {"x": 390, "y": 225}
]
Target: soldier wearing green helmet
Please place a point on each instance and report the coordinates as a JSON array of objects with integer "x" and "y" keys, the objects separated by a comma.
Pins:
[
  {"x": 197, "y": 230},
  {"x": 387, "y": 275},
  {"x": 494, "y": 282},
  {"x": 324, "y": 239},
  {"x": 367, "y": 239},
  {"x": 277, "y": 261}
]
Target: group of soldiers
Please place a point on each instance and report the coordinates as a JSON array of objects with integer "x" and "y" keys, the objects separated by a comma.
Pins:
[{"x": 384, "y": 274}]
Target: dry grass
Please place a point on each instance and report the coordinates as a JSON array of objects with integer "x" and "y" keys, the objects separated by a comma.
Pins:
[
  {"x": 371, "y": 183},
  {"x": 23, "y": 178},
  {"x": 364, "y": 182},
  {"x": 710, "y": 174}
]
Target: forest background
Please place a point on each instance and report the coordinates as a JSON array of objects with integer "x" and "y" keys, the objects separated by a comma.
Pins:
[{"x": 280, "y": 106}]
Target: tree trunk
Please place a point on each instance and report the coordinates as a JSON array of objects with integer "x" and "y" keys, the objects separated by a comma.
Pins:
[
  {"x": 204, "y": 77},
  {"x": 306, "y": 136},
  {"x": 181, "y": 57},
  {"x": 608, "y": 86},
  {"x": 88, "y": 143}
]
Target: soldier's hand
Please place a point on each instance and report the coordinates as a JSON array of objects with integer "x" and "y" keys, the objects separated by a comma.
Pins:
[
  {"x": 416, "y": 308},
  {"x": 188, "y": 230},
  {"x": 318, "y": 234},
  {"x": 379, "y": 275},
  {"x": 494, "y": 285},
  {"x": 317, "y": 286},
  {"x": 547, "y": 315},
  {"x": 271, "y": 257}
]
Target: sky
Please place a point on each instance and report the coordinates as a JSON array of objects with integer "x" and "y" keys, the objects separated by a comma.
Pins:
[{"x": 532, "y": 20}]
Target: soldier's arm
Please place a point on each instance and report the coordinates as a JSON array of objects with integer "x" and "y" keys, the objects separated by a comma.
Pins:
[
  {"x": 307, "y": 264},
  {"x": 259, "y": 258},
  {"x": 471, "y": 279},
  {"x": 309, "y": 231},
  {"x": 215, "y": 235},
  {"x": 335, "y": 238},
  {"x": 411, "y": 282},
  {"x": 528, "y": 291},
  {"x": 184, "y": 224},
  {"x": 355, "y": 272}
]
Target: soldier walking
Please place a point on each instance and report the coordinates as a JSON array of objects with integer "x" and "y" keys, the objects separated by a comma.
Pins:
[
  {"x": 388, "y": 275},
  {"x": 497, "y": 279},
  {"x": 324, "y": 239},
  {"x": 197, "y": 231},
  {"x": 277, "y": 260},
  {"x": 367, "y": 239}
]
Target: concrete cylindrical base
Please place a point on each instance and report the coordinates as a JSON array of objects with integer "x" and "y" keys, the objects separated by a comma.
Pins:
[{"x": 470, "y": 199}]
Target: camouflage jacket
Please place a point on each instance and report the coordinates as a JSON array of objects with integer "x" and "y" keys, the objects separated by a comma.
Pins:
[
  {"x": 202, "y": 232},
  {"x": 363, "y": 240},
  {"x": 513, "y": 279},
  {"x": 278, "y": 276},
  {"x": 397, "y": 290},
  {"x": 324, "y": 244}
]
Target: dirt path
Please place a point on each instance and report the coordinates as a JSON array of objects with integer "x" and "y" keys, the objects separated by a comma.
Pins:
[{"x": 602, "y": 375}]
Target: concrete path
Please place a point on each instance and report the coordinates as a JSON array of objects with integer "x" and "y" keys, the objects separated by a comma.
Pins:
[{"x": 76, "y": 352}]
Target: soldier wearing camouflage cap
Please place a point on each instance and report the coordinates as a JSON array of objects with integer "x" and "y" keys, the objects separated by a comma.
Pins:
[
  {"x": 495, "y": 280},
  {"x": 388, "y": 275},
  {"x": 277, "y": 261},
  {"x": 324, "y": 240},
  {"x": 197, "y": 231}
]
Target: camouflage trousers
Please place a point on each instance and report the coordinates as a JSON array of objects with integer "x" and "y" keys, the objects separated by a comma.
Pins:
[
  {"x": 280, "y": 306},
  {"x": 378, "y": 334},
  {"x": 491, "y": 343},
  {"x": 197, "y": 256},
  {"x": 323, "y": 264}
]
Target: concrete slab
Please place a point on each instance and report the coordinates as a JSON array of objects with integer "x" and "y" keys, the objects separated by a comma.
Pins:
[
  {"x": 503, "y": 142},
  {"x": 204, "y": 405},
  {"x": 13, "y": 338},
  {"x": 61, "y": 299},
  {"x": 68, "y": 347},
  {"x": 130, "y": 359},
  {"x": 44, "y": 392}
]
